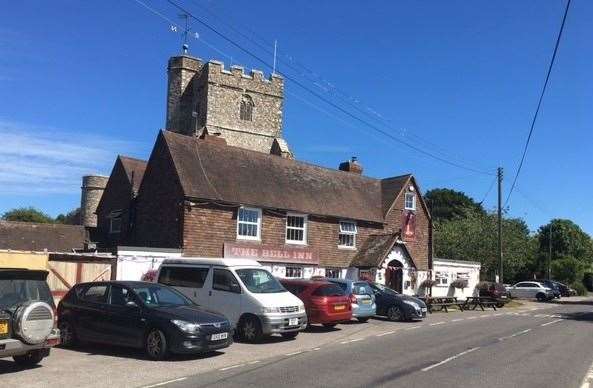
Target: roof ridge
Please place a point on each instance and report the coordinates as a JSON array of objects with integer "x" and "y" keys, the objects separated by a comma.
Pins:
[{"x": 131, "y": 158}]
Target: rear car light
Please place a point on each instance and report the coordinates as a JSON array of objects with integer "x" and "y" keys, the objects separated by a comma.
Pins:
[
  {"x": 55, "y": 317},
  {"x": 353, "y": 299}
]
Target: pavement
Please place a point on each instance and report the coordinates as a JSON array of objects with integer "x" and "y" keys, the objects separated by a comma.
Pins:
[{"x": 535, "y": 345}]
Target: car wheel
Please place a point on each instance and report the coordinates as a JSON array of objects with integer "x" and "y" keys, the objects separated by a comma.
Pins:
[
  {"x": 329, "y": 325},
  {"x": 30, "y": 359},
  {"x": 363, "y": 319},
  {"x": 290, "y": 335},
  {"x": 250, "y": 330},
  {"x": 67, "y": 334},
  {"x": 541, "y": 297},
  {"x": 500, "y": 305},
  {"x": 394, "y": 313},
  {"x": 155, "y": 344}
]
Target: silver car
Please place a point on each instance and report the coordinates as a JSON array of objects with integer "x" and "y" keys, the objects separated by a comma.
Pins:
[
  {"x": 531, "y": 290},
  {"x": 362, "y": 298}
]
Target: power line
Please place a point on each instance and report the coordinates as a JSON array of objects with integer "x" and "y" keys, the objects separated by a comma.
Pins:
[
  {"x": 541, "y": 97},
  {"x": 489, "y": 190},
  {"x": 332, "y": 104}
]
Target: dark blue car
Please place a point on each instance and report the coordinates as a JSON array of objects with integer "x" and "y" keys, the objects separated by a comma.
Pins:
[{"x": 395, "y": 306}]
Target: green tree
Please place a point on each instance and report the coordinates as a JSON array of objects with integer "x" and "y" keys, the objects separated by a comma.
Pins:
[
  {"x": 27, "y": 214},
  {"x": 567, "y": 269},
  {"x": 568, "y": 239},
  {"x": 447, "y": 204},
  {"x": 70, "y": 218}
]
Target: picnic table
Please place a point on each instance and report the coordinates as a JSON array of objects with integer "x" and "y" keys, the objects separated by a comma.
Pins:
[
  {"x": 473, "y": 302},
  {"x": 442, "y": 303}
]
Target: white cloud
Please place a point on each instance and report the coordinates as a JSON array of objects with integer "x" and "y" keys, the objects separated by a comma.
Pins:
[{"x": 35, "y": 160}]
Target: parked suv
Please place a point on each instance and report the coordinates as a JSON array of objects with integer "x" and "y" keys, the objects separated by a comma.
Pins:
[
  {"x": 325, "y": 302},
  {"x": 142, "y": 315},
  {"x": 245, "y": 292},
  {"x": 496, "y": 291},
  {"x": 530, "y": 290},
  {"x": 552, "y": 285},
  {"x": 361, "y": 297},
  {"x": 27, "y": 316}
]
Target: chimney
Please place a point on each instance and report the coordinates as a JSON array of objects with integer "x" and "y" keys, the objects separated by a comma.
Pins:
[{"x": 351, "y": 166}]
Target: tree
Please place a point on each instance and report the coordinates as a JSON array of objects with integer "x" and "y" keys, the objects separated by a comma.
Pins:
[
  {"x": 447, "y": 204},
  {"x": 474, "y": 238},
  {"x": 568, "y": 239},
  {"x": 70, "y": 218},
  {"x": 567, "y": 269},
  {"x": 27, "y": 214}
]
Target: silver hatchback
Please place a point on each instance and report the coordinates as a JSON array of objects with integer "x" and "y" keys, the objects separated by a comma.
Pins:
[{"x": 362, "y": 298}]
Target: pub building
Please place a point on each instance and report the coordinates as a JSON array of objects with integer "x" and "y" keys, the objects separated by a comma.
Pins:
[{"x": 222, "y": 182}]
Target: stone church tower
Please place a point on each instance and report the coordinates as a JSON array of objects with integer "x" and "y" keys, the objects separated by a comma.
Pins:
[{"x": 244, "y": 109}]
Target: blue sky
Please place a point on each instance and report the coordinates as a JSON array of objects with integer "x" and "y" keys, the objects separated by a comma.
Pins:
[{"x": 81, "y": 82}]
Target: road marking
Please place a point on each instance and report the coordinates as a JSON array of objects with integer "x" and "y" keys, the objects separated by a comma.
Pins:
[
  {"x": 315, "y": 349},
  {"x": 232, "y": 367},
  {"x": 555, "y": 316},
  {"x": 386, "y": 333},
  {"x": 471, "y": 317},
  {"x": 457, "y": 319},
  {"x": 549, "y": 323},
  {"x": 165, "y": 382},
  {"x": 413, "y": 327},
  {"x": 497, "y": 315},
  {"x": 588, "y": 380},
  {"x": 253, "y": 362},
  {"x": 293, "y": 353},
  {"x": 446, "y": 360},
  {"x": 356, "y": 340},
  {"x": 514, "y": 335},
  {"x": 541, "y": 315},
  {"x": 437, "y": 323}
]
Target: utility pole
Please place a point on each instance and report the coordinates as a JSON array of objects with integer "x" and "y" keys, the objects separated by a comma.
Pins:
[
  {"x": 550, "y": 251},
  {"x": 500, "y": 264}
]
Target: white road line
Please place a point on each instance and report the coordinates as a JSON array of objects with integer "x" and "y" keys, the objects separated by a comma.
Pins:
[
  {"x": 315, "y": 349},
  {"x": 437, "y": 323},
  {"x": 446, "y": 360},
  {"x": 497, "y": 315},
  {"x": 294, "y": 353},
  {"x": 165, "y": 382},
  {"x": 386, "y": 333},
  {"x": 413, "y": 327},
  {"x": 356, "y": 340},
  {"x": 541, "y": 315},
  {"x": 232, "y": 367},
  {"x": 588, "y": 380},
  {"x": 471, "y": 317},
  {"x": 521, "y": 333},
  {"x": 457, "y": 319},
  {"x": 555, "y": 316},
  {"x": 253, "y": 362},
  {"x": 549, "y": 323}
]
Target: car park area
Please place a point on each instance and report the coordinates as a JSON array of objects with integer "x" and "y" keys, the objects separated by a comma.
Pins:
[{"x": 98, "y": 365}]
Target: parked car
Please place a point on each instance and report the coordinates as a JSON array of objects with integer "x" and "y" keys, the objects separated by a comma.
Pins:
[
  {"x": 246, "y": 293},
  {"x": 495, "y": 291},
  {"x": 27, "y": 316},
  {"x": 552, "y": 285},
  {"x": 149, "y": 316},
  {"x": 325, "y": 302},
  {"x": 361, "y": 297},
  {"x": 395, "y": 306},
  {"x": 530, "y": 290},
  {"x": 565, "y": 290}
]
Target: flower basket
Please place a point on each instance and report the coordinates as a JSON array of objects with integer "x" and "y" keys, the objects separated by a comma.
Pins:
[
  {"x": 459, "y": 283},
  {"x": 149, "y": 276},
  {"x": 427, "y": 283}
]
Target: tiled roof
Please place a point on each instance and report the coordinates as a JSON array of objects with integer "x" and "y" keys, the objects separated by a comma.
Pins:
[
  {"x": 28, "y": 236},
  {"x": 374, "y": 250},
  {"x": 134, "y": 169}
]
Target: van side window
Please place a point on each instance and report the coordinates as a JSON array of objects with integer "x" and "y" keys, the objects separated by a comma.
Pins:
[
  {"x": 224, "y": 280},
  {"x": 193, "y": 277}
]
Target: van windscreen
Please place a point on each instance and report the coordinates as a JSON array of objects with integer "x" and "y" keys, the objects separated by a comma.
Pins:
[{"x": 259, "y": 281}]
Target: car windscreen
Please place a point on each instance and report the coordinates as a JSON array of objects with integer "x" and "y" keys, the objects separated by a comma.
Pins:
[
  {"x": 342, "y": 285},
  {"x": 361, "y": 288},
  {"x": 259, "y": 281},
  {"x": 15, "y": 292},
  {"x": 328, "y": 290},
  {"x": 157, "y": 296},
  {"x": 384, "y": 289}
]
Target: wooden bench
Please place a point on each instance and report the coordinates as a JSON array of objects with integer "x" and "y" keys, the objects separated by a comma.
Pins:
[
  {"x": 473, "y": 302},
  {"x": 443, "y": 303}
]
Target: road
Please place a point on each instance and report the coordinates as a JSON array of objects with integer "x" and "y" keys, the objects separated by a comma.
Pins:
[{"x": 537, "y": 345}]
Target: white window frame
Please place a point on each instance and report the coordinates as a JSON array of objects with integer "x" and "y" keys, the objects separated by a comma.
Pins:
[
  {"x": 439, "y": 276},
  {"x": 258, "y": 223},
  {"x": 295, "y": 267},
  {"x": 347, "y": 232},
  {"x": 112, "y": 229},
  {"x": 304, "y": 229},
  {"x": 406, "y": 195},
  {"x": 462, "y": 275}
]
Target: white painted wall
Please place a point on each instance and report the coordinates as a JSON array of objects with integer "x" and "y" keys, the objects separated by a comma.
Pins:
[
  {"x": 132, "y": 264},
  {"x": 452, "y": 268}
]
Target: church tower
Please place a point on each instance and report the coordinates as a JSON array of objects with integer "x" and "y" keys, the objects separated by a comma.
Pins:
[{"x": 244, "y": 109}]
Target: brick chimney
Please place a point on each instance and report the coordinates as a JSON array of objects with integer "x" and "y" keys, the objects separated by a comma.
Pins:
[{"x": 351, "y": 166}]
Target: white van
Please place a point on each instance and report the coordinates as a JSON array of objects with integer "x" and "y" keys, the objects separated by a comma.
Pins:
[{"x": 245, "y": 292}]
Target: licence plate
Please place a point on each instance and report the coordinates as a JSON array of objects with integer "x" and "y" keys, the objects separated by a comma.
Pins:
[
  {"x": 293, "y": 321},
  {"x": 503, "y": 297},
  {"x": 366, "y": 301},
  {"x": 219, "y": 336},
  {"x": 423, "y": 309},
  {"x": 3, "y": 327},
  {"x": 339, "y": 307}
]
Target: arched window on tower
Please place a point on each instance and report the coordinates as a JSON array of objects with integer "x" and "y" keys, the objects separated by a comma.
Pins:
[{"x": 246, "y": 112}]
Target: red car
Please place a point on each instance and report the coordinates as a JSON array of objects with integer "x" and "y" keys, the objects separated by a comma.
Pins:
[{"x": 325, "y": 302}]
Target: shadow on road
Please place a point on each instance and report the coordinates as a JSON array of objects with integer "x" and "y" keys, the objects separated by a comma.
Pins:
[
  {"x": 138, "y": 354},
  {"x": 8, "y": 366}
]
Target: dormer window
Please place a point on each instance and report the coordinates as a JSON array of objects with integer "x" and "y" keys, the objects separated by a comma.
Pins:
[
  {"x": 246, "y": 112},
  {"x": 410, "y": 201}
]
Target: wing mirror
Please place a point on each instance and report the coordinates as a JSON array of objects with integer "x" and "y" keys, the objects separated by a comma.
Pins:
[{"x": 131, "y": 303}]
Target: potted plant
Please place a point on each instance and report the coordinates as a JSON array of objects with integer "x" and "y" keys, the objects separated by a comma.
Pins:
[
  {"x": 149, "y": 276},
  {"x": 459, "y": 283}
]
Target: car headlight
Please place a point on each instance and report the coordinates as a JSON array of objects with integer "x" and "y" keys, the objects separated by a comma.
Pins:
[
  {"x": 301, "y": 308},
  {"x": 187, "y": 327},
  {"x": 412, "y": 303},
  {"x": 270, "y": 310}
]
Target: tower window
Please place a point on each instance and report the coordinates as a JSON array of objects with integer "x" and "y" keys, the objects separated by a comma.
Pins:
[{"x": 246, "y": 108}]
